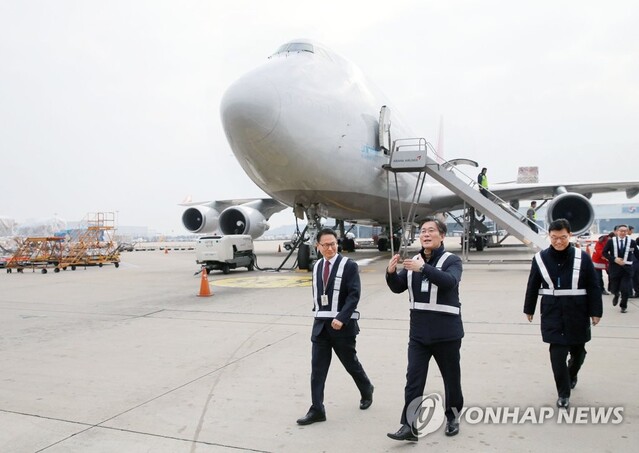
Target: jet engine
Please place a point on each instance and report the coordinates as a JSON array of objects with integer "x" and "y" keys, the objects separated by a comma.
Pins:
[
  {"x": 243, "y": 220},
  {"x": 200, "y": 219},
  {"x": 573, "y": 207}
]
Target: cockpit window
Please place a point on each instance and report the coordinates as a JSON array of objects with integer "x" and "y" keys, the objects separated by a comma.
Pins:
[{"x": 295, "y": 47}]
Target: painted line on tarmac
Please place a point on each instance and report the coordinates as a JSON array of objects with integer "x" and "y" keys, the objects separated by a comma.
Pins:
[
  {"x": 271, "y": 281},
  {"x": 277, "y": 281}
]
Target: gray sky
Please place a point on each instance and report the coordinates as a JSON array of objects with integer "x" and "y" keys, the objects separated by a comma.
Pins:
[{"x": 114, "y": 106}]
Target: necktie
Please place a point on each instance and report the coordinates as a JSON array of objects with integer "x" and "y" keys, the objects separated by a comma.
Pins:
[{"x": 327, "y": 268}]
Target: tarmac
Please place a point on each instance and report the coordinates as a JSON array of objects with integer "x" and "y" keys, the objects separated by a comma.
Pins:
[{"x": 132, "y": 360}]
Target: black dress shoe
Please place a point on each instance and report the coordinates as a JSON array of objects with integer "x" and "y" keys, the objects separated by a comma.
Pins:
[
  {"x": 605, "y": 293},
  {"x": 563, "y": 402},
  {"x": 452, "y": 428},
  {"x": 404, "y": 433},
  {"x": 615, "y": 300},
  {"x": 367, "y": 399},
  {"x": 623, "y": 309},
  {"x": 311, "y": 417},
  {"x": 573, "y": 382}
]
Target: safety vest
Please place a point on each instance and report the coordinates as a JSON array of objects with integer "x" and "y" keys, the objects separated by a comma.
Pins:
[
  {"x": 329, "y": 311},
  {"x": 484, "y": 181},
  {"x": 432, "y": 304},
  {"x": 616, "y": 245},
  {"x": 551, "y": 291}
]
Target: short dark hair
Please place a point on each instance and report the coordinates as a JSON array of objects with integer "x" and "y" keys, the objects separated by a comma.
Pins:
[
  {"x": 441, "y": 226},
  {"x": 621, "y": 225},
  {"x": 325, "y": 231},
  {"x": 484, "y": 169},
  {"x": 558, "y": 225}
]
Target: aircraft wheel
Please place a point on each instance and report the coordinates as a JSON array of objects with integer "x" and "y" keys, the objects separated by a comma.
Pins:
[
  {"x": 56, "y": 270},
  {"x": 44, "y": 271},
  {"x": 116, "y": 265},
  {"x": 72, "y": 268}
]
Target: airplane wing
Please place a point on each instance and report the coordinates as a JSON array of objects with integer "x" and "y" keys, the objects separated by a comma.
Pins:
[
  {"x": 267, "y": 206},
  {"x": 536, "y": 191}
]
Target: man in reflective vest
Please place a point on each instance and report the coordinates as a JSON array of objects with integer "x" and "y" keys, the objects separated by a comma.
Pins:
[
  {"x": 432, "y": 279},
  {"x": 620, "y": 253},
  {"x": 482, "y": 181},
  {"x": 565, "y": 278},
  {"x": 336, "y": 291}
]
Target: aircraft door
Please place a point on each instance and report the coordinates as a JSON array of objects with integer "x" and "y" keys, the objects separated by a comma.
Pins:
[{"x": 383, "y": 133}]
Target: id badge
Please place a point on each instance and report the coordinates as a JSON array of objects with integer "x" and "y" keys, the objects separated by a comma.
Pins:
[
  {"x": 425, "y": 285},
  {"x": 324, "y": 300}
]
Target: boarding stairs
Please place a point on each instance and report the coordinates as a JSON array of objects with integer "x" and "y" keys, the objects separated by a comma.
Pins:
[{"x": 414, "y": 155}]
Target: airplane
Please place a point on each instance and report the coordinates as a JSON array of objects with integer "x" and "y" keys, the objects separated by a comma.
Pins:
[{"x": 314, "y": 133}]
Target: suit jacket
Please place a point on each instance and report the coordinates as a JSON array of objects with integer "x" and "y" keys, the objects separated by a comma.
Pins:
[{"x": 347, "y": 301}]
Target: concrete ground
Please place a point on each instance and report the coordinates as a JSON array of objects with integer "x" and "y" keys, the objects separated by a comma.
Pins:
[{"x": 131, "y": 360}]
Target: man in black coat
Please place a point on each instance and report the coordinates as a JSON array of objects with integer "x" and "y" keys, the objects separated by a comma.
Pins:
[
  {"x": 620, "y": 253},
  {"x": 571, "y": 298},
  {"x": 336, "y": 291},
  {"x": 432, "y": 279}
]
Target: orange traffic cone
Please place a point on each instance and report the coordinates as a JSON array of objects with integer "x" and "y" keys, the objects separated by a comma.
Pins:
[
  {"x": 166, "y": 250},
  {"x": 205, "y": 288}
]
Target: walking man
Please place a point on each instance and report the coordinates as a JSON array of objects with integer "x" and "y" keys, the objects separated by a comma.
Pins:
[
  {"x": 565, "y": 278},
  {"x": 432, "y": 279},
  {"x": 620, "y": 253},
  {"x": 531, "y": 215},
  {"x": 336, "y": 292},
  {"x": 482, "y": 180}
]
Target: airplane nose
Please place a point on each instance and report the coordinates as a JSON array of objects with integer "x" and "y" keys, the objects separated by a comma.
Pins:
[{"x": 250, "y": 109}]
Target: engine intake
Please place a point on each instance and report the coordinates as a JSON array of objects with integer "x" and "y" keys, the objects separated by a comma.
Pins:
[
  {"x": 243, "y": 220},
  {"x": 200, "y": 219},
  {"x": 573, "y": 207}
]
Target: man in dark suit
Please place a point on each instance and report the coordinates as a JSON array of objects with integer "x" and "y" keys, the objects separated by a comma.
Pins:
[
  {"x": 620, "y": 253},
  {"x": 336, "y": 291}
]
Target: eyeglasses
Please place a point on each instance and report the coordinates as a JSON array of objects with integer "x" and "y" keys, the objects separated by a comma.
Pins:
[
  {"x": 429, "y": 230},
  {"x": 329, "y": 244},
  {"x": 559, "y": 238}
]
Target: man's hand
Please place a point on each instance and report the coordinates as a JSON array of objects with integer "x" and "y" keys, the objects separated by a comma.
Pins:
[
  {"x": 336, "y": 324},
  {"x": 619, "y": 261},
  {"x": 595, "y": 320},
  {"x": 530, "y": 318},
  {"x": 413, "y": 264},
  {"x": 392, "y": 264}
]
